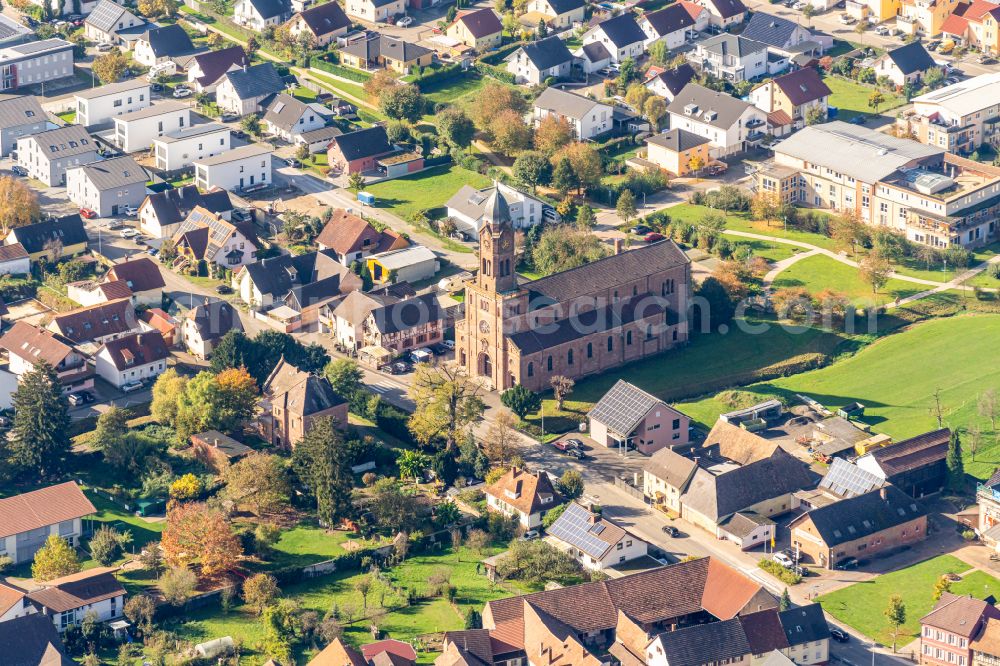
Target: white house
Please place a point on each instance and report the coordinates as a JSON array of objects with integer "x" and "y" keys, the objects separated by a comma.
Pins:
[
  {"x": 138, "y": 357},
  {"x": 621, "y": 36},
  {"x": 239, "y": 169},
  {"x": 27, "y": 344},
  {"x": 408, "y": 264},
  {"x": 67, "y": 600},
  {"x": 467, "y": 207},
  {"x": 161, "y": 44},
  {"x": 135, "y": 131},
  {"x": 107, "y": 186},
  {"x": 538, "y": 61},
  {"x": 672, "y": 24},
  {"x": 14, "y": 260},
  {"x": 205, "y": 70},
  {"x": 99, "y": 105},
  {"x": 108, "y": 20},
  {"x": 28, "y": 519},
  {"x": 348, "y": 317},
  {"x": 179, "y": 149},
  {"x": 289, "y": 118},
  {"x": 731, "y": 125},
  {"x": 204, "y": 236},
  {"x": 205, "y": 324},
  {"x": 594, "y": 541},
  {"x": 161, "y": 214},
  {"x": 588, "y": 117},
  {"x": 241, "y": 91},
  {"x": 20, "y": 115},
  {"x": 374, "y": 11},
  {"x": 906, "y": 64},
  {"x": 560, "y": 13},
  {"x": 669, "y": 82},
  {"x": 525, "y": 495},
  {"x": 258, "y": 14},
  {"x": 143, "y": 278},
  {"x": 731, "y": 57},
  {"x": 47, "y": 155},
  {"x": 724, "y": 13}
]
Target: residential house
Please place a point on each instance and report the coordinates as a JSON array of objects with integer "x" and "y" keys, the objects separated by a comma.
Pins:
[
  {"x": 162, "y": 213},
  {"x": 217, "y": 450},
  {"x": 156, "y": 319},
  {"x": 20, "y": 116},
  {"x": 986, "y": 645},
  {"x": 525, "y": 495},
  {"x": 671, "y": 25},
  {"x": 97, "y": 106},
  {"x": 375, "y": 11},
  {"x": 732, "y": 57},
  {"x": 875, "y": 523},
  {"x": 931, "y": 17},
  {"x": 68, "y": 599},
  {"x": 206, "y": 70},
  {"x": 318, "y": 140},
  {"x": 347, "y": 318},
  {"x": 143, "y": 277},
  {"x": 916, "y": 465},
  {"x": 701, "y": 645},
  {"x": 26, "y": 345},
  {"x": 588, "y": 117},
  {"x": 947, "y": 632},
  {"x": 357, "y": 152},
  {"x": 35, "y": 63},
  {"x": 204, "y": 325},
  {"x": 807, "y": 633},
  {"x": 781, "y": 34},
  {"x": 14, "y": 260},
  {"x": 405, "y": 325},
  {"x": 957, "y": 118},
  {"x": 323, "y": 23},
  {"x": 93, "y": 292},
  {"x": 845, "y": 479},
  {"x": 801, "y": 96},
  {"x": 239, "y": 169},
  {"x": 97, "y": 324},
  {"x": 621, "y": 36},
  {"x": 408, "y": 264},
  {"x": 133, "y": 358},
  {"x": 724, "y": 13},
  {"x": 41, "y": 240},
  {"x": 108, "y": 20},
  {"x": 535, "y": 62},
  {"x": 339, "y": 653},
  {"x": 48, "y": 154},
  {"x": 748, "y": 530},
  {"x": 627, "y": 417},
  {"x": 665, "y": 477},
  {"x": 386, "y": 51},
  {"x": 593, "y": 540},
  {"x": 205, "y": 236},
  {"x": 107, "y": 187},
  {"x": 245, "y": 91},
  {"x": 352, "y": 238},
  {"x": 293, "y": 400},
  {"x": 678, "y": 151},
  {"x": 467, "y": 208},
  {"x": 731, "y": 125},
  {"x": 288, "y": 118},
  {"x": 161, "y": 44},
  {"x": 389, "y": 652},
  {"x": 906, "y": 64},
  {"x": 668, "y": 83},
  {"x": 593, "y": 57},
  {"x": 33, "y": 640},
  {"x": 28, "y": 519},
  {"x": 479, "y": 29},
  {"x": 559, "y": 13},
  {"x": 256, "y": 15},
  {"x": 181, "y": 148}
]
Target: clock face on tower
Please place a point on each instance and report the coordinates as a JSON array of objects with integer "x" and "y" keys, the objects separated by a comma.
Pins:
[
  {"x": 484, "y": 326},
  {"x": 486, "y": 241},
  {"x": 505, "y": 243}
]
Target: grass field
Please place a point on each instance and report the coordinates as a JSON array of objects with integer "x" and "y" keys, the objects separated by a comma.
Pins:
[
  {"x": 424, "y": 191},
  {"x": 851, "y": 98},
  {"x": 742, "y": 222},
  {"x": 862, "y": 605},
  {"x": 819, "y": 272},
  {"x": 337, "y": 85},
  {"x": 453, "y": 89},
  {"x": 896, "y": 377},
  {"x": 67, "y": 116}
]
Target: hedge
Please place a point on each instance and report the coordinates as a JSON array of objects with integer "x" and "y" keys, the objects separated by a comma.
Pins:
[
  {"x": 435, "y": 76},
  {"x": 344, "y": 72},
  {"x": 498, "y": 73},
  {"x": 496, "y": 57}
]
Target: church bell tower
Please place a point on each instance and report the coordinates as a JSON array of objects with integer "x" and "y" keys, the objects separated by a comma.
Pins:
[{"x": 496, "y": 246}]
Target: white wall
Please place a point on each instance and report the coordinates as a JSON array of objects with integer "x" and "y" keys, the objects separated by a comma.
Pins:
[
  {"x": 138, "y": 134},
  {"x": 235, "y": 175},
  {"x": 106, "y": 369},
  {"x": 101, "y": 109},
  {"x": 182, "y": 153}
]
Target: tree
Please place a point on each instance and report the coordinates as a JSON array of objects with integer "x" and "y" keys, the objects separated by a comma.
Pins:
[
  {"x": 626, "y": 206},
  {"x": 176, "y": 584},
  {"x": 876, "y": 99},
  {"x": 106, "y": 543},
  {"x": 322, "y": 463},
  {"x": 382, "y": 81},
  {"x": 501, "y": 440},
  {"x": 199, "y": 533},
  {"x": 393, "y": 509},
  {"x": 521, "y": 400},
  {"x": 848, "y": 231},
  {"x": 223, "y": 401},
  {"x": 140, "y": 610},
  {"x": 187, "y": 487},
  {"x": 655, "y": 109},
  {"x": 942, "y": 585},
  {"x": 258, "y": 481},
  {"x": 765, "y": 206},
  {"x": 536, "y": 562},
  {"x": 786, "y": 600},
  {"x": 956, "y": 469},
  {"x": 808, "y": 12},
  {"x": 402, "y": 103},
  {"x": 18, "y": 205},
  {"x": 875, "y": 270},
  {"x": 216, "y": 42},
  {"x": 553, "y": 132},
  {"x": 585, "y": 220},
  {"x": 157, "y": 8},
  {"x": 989, "y": 407},
  {"x": 933, "y": 78},
  {"x": 626, "y": 73},
  {"x": 532, "y": 169},
  {"x": 561, "y": 248},
  {"x": 251, "y": 124},
  {"x": 636, "y": 96},
  {"x": 695, "y": 163},
  {"x": 714, "y": 306},
  {"x": 447, "y": 401},
  {"x": 659, "y": 52},
  {"x": 895, "y": 613},
  {"x": 344, "y": 376},
  {"x": 356, "y": 182},
  {"x": 586, "y": 164},
  {"x": 510, "y": 133},
  {"x": 39, "y": 439},
  {"x": 110, "y": 67},
  {"x": 412, "y": 464},
  {"x": 54, "y": 560},
  {"x": 493, "y": 99},
  {"x": 571, "y": 484},
  {"x": 815, "y": 115},
  {"x": 260, "y": 591},
  {"x": 562, "y": 386},
  {"x": 563, "y": 178},
  {"x": 456, "y": 127}
]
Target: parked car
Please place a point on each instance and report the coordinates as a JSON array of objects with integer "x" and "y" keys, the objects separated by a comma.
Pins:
[
  {"x": 783, "y": 559},
  {"x": 839, "y": 635},
  {"x": 576, "y": 453},
  {"x": 88, "y": 213},
  {"x": 405, "y": 22},
  {"x": 238, "y": 134},
  {"x": 670, "y": 530},
  {"x": 104, "y": 47},
  {"x": 562, "y": 445},
  {"x": 849, "y": 563},
  {"x": 293, "y": 162},
  {"x": 574, "y": 443},
  {"x": 131, "y": 386},
  {"x": 131, "y": 211},
  {"x": 75, "y": 399},
  {"x": 129, "y": 232},
  {"x": 401, "y": 368},
  {"x": 717, "y": 169},
  {"x": 846, "y": 19},
  {"x": 156, "y": 87},
  {"x": 19, "y": 170},
  {"x": 180, "y": 93},
  {"x": 223, "y": 289},
  {"x": 986, "y": 60},
  {"x": 448, "y": 344},
  {"x": 640, "y": 230},
  {"x": 881, "y": 30},
  {"x": 529, "y": 535},
  {"x": 654, "y": 237}
]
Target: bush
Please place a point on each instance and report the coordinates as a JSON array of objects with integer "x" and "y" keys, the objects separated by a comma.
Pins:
[
  {"x": 344, "y": 72},
  {"x": 781, "y": 573},
  {"x": 432, "y": 77}
]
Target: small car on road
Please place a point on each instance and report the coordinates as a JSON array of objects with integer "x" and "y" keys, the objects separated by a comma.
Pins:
[
  {"x": 405, "y": 22},
  {"x": 88, "y": 213},
  {"x": 130, "y": 387},
  {"x": 839, "y": 635},
  {"x": 19, "y": 170},
  {"x": 670, "y": 530}
]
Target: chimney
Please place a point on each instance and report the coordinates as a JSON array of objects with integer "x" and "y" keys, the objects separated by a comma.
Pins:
[
  {"x": 618, "y": 245},
  {"x": 215, "y": 442},
  {"x": 883, "y": 493}
]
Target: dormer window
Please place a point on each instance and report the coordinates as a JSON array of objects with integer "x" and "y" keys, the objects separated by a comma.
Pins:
[
  {"x": 511, "y": 493},
  {"x": 545, "y": 499}
]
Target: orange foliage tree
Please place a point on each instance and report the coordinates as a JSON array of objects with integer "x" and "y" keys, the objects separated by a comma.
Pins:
[{"x": 196, "y": 533}]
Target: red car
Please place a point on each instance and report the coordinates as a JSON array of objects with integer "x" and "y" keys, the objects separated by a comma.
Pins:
[
  {"x": 654, "y": 237},
  {"x": 88, "y": 213}
]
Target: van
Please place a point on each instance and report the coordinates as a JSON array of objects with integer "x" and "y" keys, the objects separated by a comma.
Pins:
[{"x": 422, "y": 355}]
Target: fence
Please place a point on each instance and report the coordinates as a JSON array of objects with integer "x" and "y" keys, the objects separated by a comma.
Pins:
[{"x": 630, "y": 489}]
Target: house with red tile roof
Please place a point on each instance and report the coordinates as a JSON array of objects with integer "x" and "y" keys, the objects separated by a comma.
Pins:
[
  {"x": 946, "y": 633},
  {"x": 27, "y": 345},
  {"x": 28, "y": 519},
  {"x": 480, "y": 29},
  {"x": 974, "y": 24},
  {"x": 526, "y": 495},
  {"x": 352, "y": 238},
  {"x": 68, "y": 599},
  {"x": 143, "y": 278},
  {"x": 133, "y": 358},
  {"x": 800, "y": 94}
]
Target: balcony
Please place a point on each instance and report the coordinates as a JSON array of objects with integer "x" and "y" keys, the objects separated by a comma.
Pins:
[{"x": 754, "y": 122}]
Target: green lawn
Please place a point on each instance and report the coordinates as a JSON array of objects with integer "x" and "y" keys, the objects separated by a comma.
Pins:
[
  {"x": 307, "y": 544},
  {"x": 453, "y": 89},
  {"x": 896, "y": 377},
  {"x": 769, "y": 250},
  {"x": 820, "y": 272},
  {"x": 424, "y": 191},
  {"x": 304, "y": 94},
  {"x": 67, "y": 116},
  {"x": 916, "y": 268},
  {"x": 851, "y": 98},
  {"x": 862, "y": 605},
  {"x": 742, "y": 222},
  {"x": 343, "y": 87},
  {"x": 114, "y": 515}
]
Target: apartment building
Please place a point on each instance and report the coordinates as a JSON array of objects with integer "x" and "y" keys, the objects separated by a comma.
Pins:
[
  {"x": 239, "y": 169},
  {"x": 136, "y": 131},
  {"x": 181, "y": 148},
  {"x": 107, "y": 186},
  {"x": 20, "y": 115},
  {"x": 99, "y": 105},
  {"x": 957, "y": 118},
  {"x": 730, "y": 125},
  {"x": 947, "y": 631},
  {"x": 47, "y": 155},
  {"x": 35, "y": 63}
]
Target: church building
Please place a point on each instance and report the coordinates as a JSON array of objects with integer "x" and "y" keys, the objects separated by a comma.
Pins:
[{"x": 579, "y": 322}]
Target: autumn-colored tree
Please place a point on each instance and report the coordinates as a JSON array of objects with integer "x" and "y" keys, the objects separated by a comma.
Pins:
[
  {"x": 848, "y": 231},
  {"x": 510, "y": 133},
  {"x": 166, "y": 390},
  {"x": 258, "y": 481},
  {"x": 636, "y": 96},
  {"x": 493, "y": 98},
  {"x": 585, "y": 162},
  {"x": 501, "y": 439},
  {"x": 187, "y": 487},
  {"x": 875, "y": 270},
  {"x": 197, "y": 533},
  {"x": 765, "y": 206},
  {"x": 695, "y": 163},
  {"x": 655, "y": 109},
  {"x": 259, "y": 591},
  {"x": 875, "y": 100},
  {"x": 447, "y": 401},
  {"x": 54, "y": 560},
  {"x": 562, "y": 386},
  {"x": 381, "y": 81},
  {"x": 553, "y": 132},
  {"x": 18, "y": 205},
  {"x": 110, "y": 67},
  {"x": 238, "y": 394}
]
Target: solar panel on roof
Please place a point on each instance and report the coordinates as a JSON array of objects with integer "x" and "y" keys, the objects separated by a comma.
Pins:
[
  {"x": 574, "y": 527},
  {"x": 848, "y": 480}
]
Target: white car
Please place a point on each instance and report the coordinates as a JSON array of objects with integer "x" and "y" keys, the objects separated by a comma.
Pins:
[
  {"x": 129, "y": 233},
  {"x": 448, "y": 344},
  {"x": 130, "y": 211},
  {"x": 881, "y": 30},
  {"x": 182, "y": 92},
  {"x": 783, "y": 560},
  {"x": 405, "y": 22},
  {"x": 130, "y": 386},
  {"x": 104, "y": 47}
]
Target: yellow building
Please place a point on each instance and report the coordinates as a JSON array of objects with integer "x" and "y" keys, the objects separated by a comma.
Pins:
[
  {"x": 927, "y": 16},
  {"x": 480, "y": 30},
  {"x": 55, "y": 238},
  {"x": 974, "y": 24},
  {"x": 677, "y": 151},
  {"x": 386, "y": 51}
]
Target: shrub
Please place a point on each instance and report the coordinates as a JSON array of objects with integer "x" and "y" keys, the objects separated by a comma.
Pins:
[{"x": 781, "y": 573}]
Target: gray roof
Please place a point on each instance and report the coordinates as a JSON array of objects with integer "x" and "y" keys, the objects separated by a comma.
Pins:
[
  {"x": 325, "y": 18},
  {"x": 35, "y": 48},
  {"x": 861, "y": 516},
  {"x": 566, "y": 103},
  {"x": 65, "y": 141},
  {"x": 846, "y": 479},
  {"x": 623, "y": 407},
  {"x": 669, "y": 19},
  {"x": 113, "y": 89},
  {"x": 804, "y": 624},
  {"x": 166, "y": 106},
  {"x": 859, "y": 152},
  {"x": 321, "y": 134},
  {"x": 32, "y": 640},
  {"x": 727, "y": 44},
  {"x": 284, "y": 111},
  {"x": 770, "y": 29},
  {"x": 595, "y": 52},
  {"x": 728, "y": 8},
  {"x": 188, "y": 132},
  {"x": 11, "y": 29},
  {"x": 743, "y": 523},
  {"x": 546, "y": 53},
  {"x": 16, "y": 110},
  {"x": 622, "y": 30},
  {"x": 270, "y": 8},
  {"x": 107, "y": 14},
  {"x": 705, "y": 643},
  {"x": 117, "y": 172},
  {"x": 910, "y": 58},
  {"x": 257, "y": 81},
  {"x": 677, "y": 140},
  {"x": 243, "y": 152},
  {"x": 168, "y": 40},
  {"x": 671, "y": 467},
  {"x": 713, "y": 108}
]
